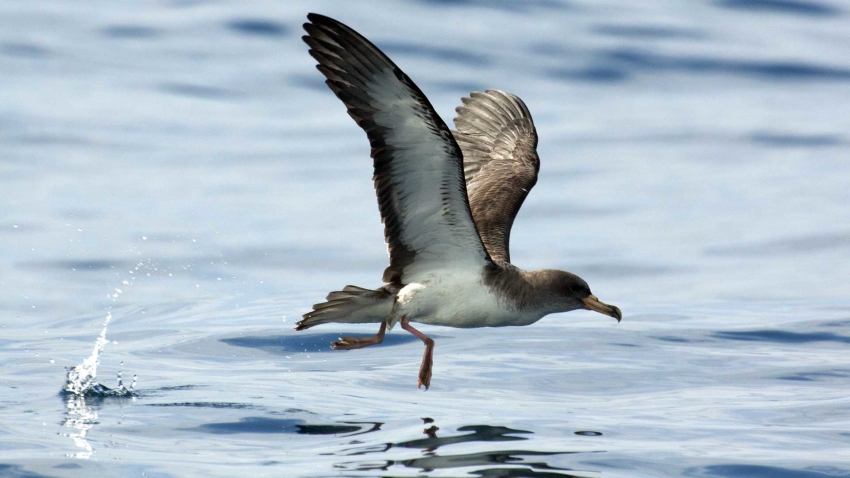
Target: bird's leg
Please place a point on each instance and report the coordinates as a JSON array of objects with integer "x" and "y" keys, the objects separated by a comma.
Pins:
[
  {"x": 350, "y": 343},
  {"x": 427, "y": 357}
]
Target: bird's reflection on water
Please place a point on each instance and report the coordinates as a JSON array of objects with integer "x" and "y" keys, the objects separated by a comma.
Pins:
[
  {"x": 348, "y": 428},
  {"x": 480, "y": 433},
  {"x": 81, "y": 415},
  {"x": 510, "y": 463},
  {"x": 80, "y": 418},
  {"x": 430, "y": 450}
]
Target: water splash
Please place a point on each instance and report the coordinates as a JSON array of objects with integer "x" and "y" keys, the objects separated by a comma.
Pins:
[
  {"x": 80, "y": 383},
  {"x": 81, "y": 379}
]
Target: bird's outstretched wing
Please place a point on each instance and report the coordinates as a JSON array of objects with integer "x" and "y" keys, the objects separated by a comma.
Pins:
[
  {"x": 499, "y": 143},
  {"x": 419, "y": 176}
]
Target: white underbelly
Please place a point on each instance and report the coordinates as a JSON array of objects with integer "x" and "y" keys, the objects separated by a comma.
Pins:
[{"x": 458, "y": 300}]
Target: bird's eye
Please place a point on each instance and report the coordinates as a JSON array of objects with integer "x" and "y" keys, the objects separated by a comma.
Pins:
[{"x": 579, "y": 289}]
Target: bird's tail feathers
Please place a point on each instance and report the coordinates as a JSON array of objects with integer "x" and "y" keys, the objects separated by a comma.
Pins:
[{"x": 352, "y": 304}]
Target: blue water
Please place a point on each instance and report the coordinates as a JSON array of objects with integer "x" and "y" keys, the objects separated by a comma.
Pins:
[{"x": 180, "y": 166}]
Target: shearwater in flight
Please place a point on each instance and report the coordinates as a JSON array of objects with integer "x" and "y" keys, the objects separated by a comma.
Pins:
[{"x": 447, "y": 200}]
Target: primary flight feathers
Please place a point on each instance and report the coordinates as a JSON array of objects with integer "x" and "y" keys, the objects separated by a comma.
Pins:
[{"x": 411, "y": 147}]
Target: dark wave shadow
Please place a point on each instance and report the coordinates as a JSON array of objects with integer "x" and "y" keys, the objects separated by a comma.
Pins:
[
  {"x": 836, "y": 323},
  {"x": 759, "y": 471},
  {"x": 177, "y": 388},
  {"x": 286, "y": 344},
  {"x": 9, "y": 470},
  {"x": 774, "y": 70},
  {"x": 264, "y": 425},
  {"x": 431, "y": 52},
  {"x": 784, "y": 140},
  {"x": 571, "y": 210},
  {"x": 134, "y": 32},
  {"x": 596, "y": 74},
  {"x": 258, "y": 27},
  {"x": 620, "y": 64},
  {"x": 817, "y": 376},
  {"x": 198, "y": 91},
  {"x": 793, "y": 7},
  {"x": 645, "y": 32},
  {"x": 290, "y": 258},
  {"x": 505, "y": 5},
  {"x": 626, "y": 270},
  {"x": 24, "y": 50},
  {"x": 673, "y": 339},
  {"x": 310, "y": 82},
  {"x": 68, "y": 466},
  {"x": 225, "y": 405},
  {"x": 457, "y": 87},
  {"x": 786, "y": 246},
  {"x": 781, "y": 336},
  {"x": 78, "y": 265}
]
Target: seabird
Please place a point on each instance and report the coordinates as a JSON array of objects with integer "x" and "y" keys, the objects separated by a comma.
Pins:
[{"x": 447, "y": 200}]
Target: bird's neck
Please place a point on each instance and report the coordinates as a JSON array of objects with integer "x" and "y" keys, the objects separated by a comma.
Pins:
[{"x": 523, "y": 290}]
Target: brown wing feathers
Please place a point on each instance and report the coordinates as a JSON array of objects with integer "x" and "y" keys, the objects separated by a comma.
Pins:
[{"x": 498, "y": 139}]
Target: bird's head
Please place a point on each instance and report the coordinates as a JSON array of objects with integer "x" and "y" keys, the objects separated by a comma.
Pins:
[{"x": 571, "y": 292}]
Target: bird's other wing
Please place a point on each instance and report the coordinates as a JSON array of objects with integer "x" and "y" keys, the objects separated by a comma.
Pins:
[
  {"x": 499, "y": 143},
  {"x": 418, "y": 164}
]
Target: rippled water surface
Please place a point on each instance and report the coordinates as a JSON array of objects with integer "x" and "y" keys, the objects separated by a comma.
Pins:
[{"x": 179, "y": 167}]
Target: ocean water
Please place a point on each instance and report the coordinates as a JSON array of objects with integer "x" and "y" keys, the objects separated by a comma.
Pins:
[{"x": 179, "y": 168}]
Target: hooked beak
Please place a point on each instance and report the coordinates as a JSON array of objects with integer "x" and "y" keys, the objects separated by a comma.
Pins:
[{"x": 592, "y": 303}]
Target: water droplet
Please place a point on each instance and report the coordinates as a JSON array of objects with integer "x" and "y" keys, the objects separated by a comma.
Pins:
[
  {"x": 15, "y": 226},
  {"x": 52, "y": 361},
  {"x": 588, "y": 433},
  {"x": 144, "y": 238}
]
